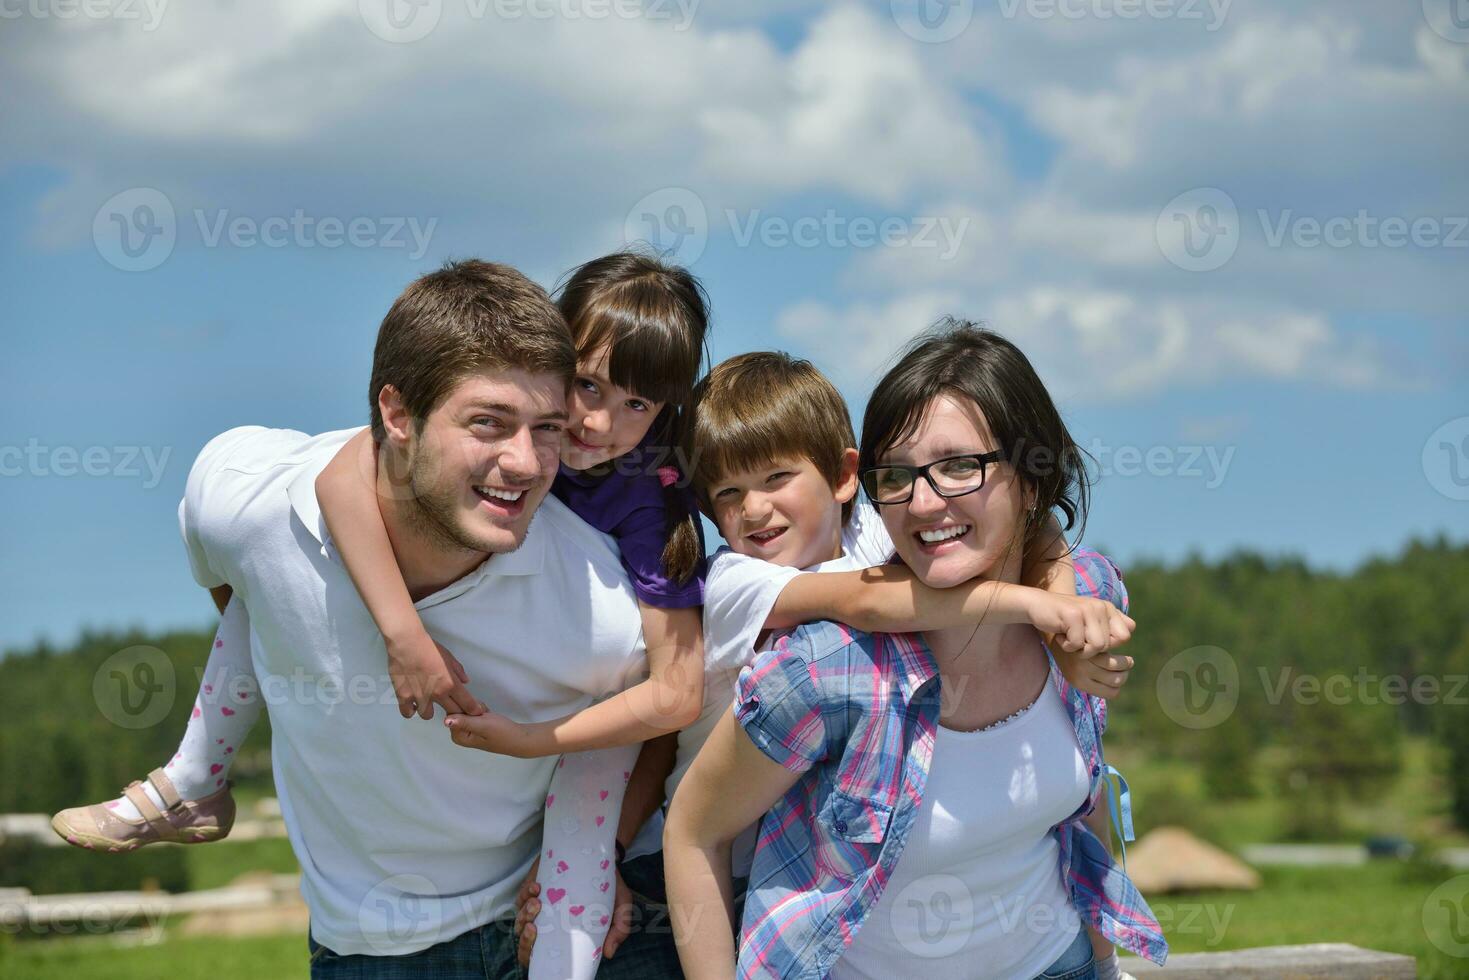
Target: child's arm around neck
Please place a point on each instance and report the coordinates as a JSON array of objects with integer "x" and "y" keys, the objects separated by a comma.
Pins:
[{"x": 423, "y": 672}]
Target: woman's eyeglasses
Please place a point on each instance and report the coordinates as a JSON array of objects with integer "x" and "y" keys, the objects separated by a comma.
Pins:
[{"x": 952, "y": 476}]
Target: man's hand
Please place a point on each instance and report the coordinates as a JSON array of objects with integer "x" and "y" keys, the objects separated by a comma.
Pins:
[
  {"x": 425, "y": 674},
  {"x": 528, "y": 906},
  {"x": 490, "y": 732}
]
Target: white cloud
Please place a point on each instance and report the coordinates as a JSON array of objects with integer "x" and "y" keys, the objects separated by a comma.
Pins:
[
  {"x": 856, "y": 111},
  {"x": 1104, "y": 342}
]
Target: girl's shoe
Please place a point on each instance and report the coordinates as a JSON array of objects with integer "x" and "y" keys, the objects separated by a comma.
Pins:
[{"x": 99, "y": 828}]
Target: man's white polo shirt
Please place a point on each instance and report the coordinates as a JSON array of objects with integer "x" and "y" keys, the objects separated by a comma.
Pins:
[{"x": 404, "y": 838}]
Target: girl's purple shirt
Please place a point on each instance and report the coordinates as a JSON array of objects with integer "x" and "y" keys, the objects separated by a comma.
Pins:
[{"x": 626, "y": 499}]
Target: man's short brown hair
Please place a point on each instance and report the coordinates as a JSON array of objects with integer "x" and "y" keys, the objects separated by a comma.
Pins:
[
  {"x": 465, "y": 317},
  {"x": 756, "y": 408}
]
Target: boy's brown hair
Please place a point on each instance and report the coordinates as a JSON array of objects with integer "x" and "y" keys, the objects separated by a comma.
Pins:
[
  {"x": 465, "y": 317},
  {"x": 755, "y": 408}
]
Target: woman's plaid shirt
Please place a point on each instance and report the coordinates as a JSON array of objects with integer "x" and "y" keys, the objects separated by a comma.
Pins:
[{"x": 857, "y": 713}]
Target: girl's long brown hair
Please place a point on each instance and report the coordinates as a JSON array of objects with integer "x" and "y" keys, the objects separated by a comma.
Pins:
[{"x": 653, "y": 317}]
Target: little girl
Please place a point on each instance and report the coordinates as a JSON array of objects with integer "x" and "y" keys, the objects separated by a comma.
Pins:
[{"x": 638, "y": 325}]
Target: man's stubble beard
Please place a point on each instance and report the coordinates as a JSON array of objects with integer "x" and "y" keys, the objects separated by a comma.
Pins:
[{"x": 430, "y": 511}]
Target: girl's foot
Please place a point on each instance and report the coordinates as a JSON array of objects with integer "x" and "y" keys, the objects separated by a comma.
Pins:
[{"x": 103, "y": 827}]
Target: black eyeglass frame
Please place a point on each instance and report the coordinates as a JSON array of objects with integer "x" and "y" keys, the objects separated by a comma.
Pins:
[{"x": 914, "y": 472}]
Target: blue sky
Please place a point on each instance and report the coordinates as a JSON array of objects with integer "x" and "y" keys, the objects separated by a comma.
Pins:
[{"x": 1233, "y": 243}]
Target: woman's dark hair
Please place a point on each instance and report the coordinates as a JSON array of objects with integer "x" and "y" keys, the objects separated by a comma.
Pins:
[
  {"x": 652, "y": 316},
  {"x": 960, "y": 358}
]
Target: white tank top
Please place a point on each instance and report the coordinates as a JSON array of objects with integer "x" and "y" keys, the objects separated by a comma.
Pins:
[{"x": 977, "y": 891}]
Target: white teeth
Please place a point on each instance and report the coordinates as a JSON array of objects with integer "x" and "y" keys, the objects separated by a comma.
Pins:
[
  {"x": 943, "y": 533},
  {"x": 510, "y": 495},
  {"x": 766, "y": 535}
]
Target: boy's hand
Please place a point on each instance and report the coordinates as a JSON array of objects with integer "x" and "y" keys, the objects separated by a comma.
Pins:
[
  {"x": 1081, "y": 632},
  {"x": 490, "y": 732},
  {"x": 425, "y": 674},
  {"x": 528, "y": 906},
  {"x": 1079, "y": 625}
]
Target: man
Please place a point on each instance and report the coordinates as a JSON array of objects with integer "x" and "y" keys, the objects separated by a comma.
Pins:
[{"x": 411, "y": 848}]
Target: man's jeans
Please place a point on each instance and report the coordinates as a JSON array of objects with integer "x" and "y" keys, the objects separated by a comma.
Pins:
[
  {"x": 485, "y": 953},
  {"x": 488, "y": 952}
]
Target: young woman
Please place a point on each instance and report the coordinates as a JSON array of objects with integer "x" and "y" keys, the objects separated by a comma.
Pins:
[{"x": 926, "y": 792}]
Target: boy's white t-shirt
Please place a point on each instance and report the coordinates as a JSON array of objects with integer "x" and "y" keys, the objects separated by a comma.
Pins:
[{"x": 739, "y": 593}]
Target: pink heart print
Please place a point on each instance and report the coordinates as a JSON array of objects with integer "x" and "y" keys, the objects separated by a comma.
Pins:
[
  {"x": 554, "y": 895},
  {"x": 195, "y": 713},
  {"x": 227, "y": 712},
  {"x": 561, "y": 867},
  {"x": 577, "y": 909},
  {"x": 626, "y": 775},
  {"x": 604, "y": 865},
  {"x": 550, "y": 801},
  {"x": 218, "y": 644},
  {"x": 219, "y": 741},
  {"x": 228, "y": 749},
  {"x": 604, "y": 885},
  {"x": 602, "y": 920},
  {"x": 602, "y": 795},
  {"x": 601, "y": 821},
  {"x": 216, "y": 769},
  {"x": 208, "y": 688}
]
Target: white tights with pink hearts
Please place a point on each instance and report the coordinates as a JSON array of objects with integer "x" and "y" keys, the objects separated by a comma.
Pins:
[
  {"x": 577, "y": 876},
  {"x": 226, "y": 708}
]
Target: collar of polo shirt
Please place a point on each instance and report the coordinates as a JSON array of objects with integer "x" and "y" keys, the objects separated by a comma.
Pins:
[{"x": 525, "y": 560}]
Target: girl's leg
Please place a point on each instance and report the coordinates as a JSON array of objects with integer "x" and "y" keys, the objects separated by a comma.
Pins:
[
  {"x": 226, "y": 708},
  {"x": 577, "y": 877}
]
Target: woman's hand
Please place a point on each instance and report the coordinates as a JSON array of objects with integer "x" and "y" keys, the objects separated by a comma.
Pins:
[
  {"x": 425, "y": 674},
  {"x": 1081, "y": 632}
]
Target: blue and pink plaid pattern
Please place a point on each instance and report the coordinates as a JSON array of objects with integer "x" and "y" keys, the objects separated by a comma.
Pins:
[{"x": 858, "y": 712}]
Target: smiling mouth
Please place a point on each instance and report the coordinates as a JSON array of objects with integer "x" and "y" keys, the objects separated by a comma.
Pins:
[
  {"x": 766, "y": 536},
  {"x": 941, "y": 534},
  {"x": 584, "y": 446},
  {"x": 500, "y": 499}
]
